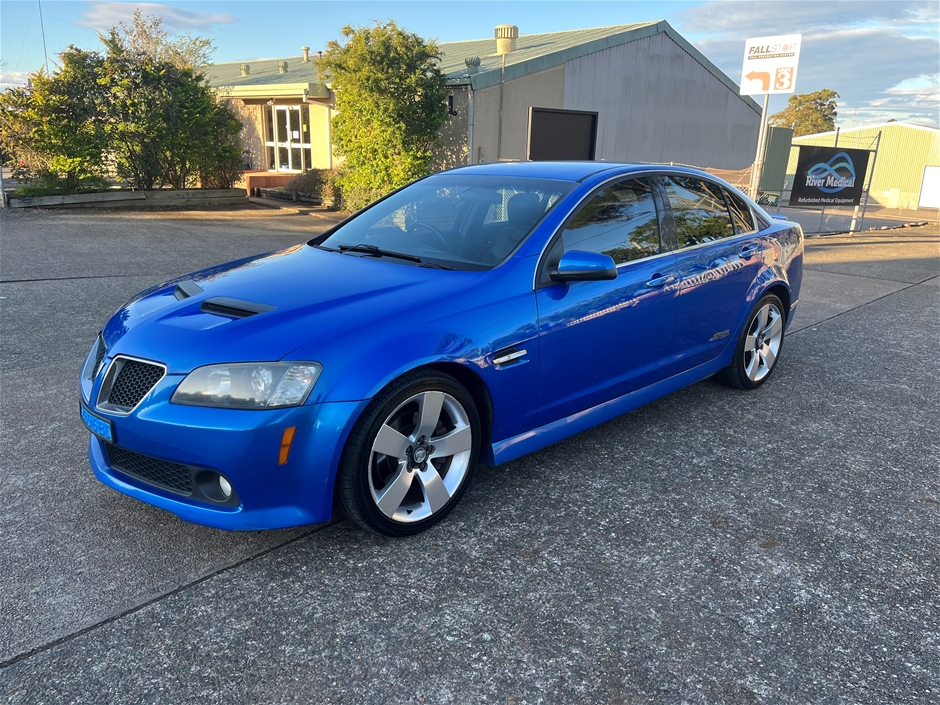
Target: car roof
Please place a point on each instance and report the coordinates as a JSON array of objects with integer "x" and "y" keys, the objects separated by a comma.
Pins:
[
  {"x": 564, "y": 171},
  {"x": 570, "y": 171}
]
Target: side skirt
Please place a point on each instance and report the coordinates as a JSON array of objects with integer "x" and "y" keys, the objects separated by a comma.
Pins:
[{"x": 529, "y": 441}]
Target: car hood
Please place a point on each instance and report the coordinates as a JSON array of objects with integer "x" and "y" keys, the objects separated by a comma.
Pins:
[{"x": 304, "y": 294}]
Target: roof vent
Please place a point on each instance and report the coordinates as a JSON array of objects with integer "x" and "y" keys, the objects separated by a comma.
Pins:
[
  {"x": 306, "y": 51},
  {"x": 473, "y": 64},
  {"x": 506, "y": 36},
  {"x": 282, "y": 67},
  {"x": 246, "y": 69}
]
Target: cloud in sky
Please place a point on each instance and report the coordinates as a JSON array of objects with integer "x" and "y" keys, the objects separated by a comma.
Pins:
[
  {"x": 868, "y": 52},
  {"x": 103, "y": 15}
]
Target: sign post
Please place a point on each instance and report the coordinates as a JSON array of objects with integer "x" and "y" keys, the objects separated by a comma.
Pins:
[{"x": 770, "y": 65}]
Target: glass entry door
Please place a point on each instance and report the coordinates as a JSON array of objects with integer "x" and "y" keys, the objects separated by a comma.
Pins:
[{"x": 287, "y": 137}]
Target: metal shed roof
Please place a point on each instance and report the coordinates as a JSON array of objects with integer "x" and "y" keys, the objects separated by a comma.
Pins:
[{"x": 534, "y": 52}]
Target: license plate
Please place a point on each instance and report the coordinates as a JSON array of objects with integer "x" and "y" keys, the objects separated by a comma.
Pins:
[{"x": 100, "y": 427}]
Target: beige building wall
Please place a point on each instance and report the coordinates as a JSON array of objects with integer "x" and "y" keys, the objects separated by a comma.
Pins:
[
  {"x": 453, "y": 149},
  {"x": 543, "y": 89},
  {"x": 320, "y": 147},
  {"x": 252, "y": 134}
]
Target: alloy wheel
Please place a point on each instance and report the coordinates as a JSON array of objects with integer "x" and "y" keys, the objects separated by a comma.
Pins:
[{"x": 420, "y": 456}]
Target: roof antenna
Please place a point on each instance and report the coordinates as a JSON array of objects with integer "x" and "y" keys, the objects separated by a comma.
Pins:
[{"x": 43, "y": 30}]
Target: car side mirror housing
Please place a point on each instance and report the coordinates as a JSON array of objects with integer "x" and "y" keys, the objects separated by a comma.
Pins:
[{"x": 580, "y": 266}]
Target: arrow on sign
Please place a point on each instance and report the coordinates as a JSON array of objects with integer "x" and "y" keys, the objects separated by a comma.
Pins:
[{"x": 762, "y": 76}]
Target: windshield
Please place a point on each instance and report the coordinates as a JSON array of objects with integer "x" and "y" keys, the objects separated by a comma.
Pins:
[{"x": 456, "y": 221}]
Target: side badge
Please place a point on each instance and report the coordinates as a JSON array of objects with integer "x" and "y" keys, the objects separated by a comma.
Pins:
[{"x": 722, "y": 334}]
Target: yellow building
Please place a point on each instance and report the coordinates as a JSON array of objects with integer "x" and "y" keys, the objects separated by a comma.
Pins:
[{"x": 907, "y": 170}]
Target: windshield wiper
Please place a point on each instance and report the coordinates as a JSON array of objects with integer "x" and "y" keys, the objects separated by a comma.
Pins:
[
  {"x": 377, "y": 252},
  {"x": 434, "y": 265}
]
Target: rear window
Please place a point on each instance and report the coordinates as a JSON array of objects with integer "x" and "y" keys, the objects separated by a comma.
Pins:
[
  {"x": 698, "y": 210},
  {"x": 740, "y": 213}
]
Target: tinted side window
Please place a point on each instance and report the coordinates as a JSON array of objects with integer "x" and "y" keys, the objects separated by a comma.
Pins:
[
  {"x": 740, "y": 214},
  {"x": 619, "y": 221},
  {"x": 698, "y": 209}
]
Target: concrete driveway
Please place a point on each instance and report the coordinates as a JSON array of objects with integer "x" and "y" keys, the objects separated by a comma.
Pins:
[{"x": 779, "y": 546}]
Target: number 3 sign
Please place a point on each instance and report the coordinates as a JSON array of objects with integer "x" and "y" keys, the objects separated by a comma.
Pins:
[{"x": 770, "y": 64}]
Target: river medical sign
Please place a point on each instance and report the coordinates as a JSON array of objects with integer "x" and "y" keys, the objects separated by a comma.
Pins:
[
  {"x": 770, "y": 64},
  {"x": 829, "y": 176}
]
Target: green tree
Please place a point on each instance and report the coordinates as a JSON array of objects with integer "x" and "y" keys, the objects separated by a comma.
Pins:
[
  {"x": 390, "y": 98},
  {"x": 144, "y": 36},
  {"x": 166, "y": 127},
  {"x": 142, "y": 104},
  {"x": 808, "y": 113},
  {"x": 52, "y": 127}
]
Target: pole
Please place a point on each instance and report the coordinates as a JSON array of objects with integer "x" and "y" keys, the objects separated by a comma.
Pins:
[
  {"x": 42, "y": 28},
  {"x": 871, "y": 176},
  {"x": 759, "y": 157},
  {"x": 822, "y": 213},
  {"x": 3, "y": 195}
]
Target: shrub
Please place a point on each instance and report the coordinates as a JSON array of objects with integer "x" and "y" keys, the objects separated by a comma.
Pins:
[{"x": 390, "y": 97}]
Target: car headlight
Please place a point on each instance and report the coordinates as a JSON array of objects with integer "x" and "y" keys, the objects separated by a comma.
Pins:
[
  {"x": 252, "y": 385},
  {"x": 91, "y": 367}
]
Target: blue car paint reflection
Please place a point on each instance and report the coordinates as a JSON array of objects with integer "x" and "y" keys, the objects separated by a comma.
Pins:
[{"x": 593, "y": 349}]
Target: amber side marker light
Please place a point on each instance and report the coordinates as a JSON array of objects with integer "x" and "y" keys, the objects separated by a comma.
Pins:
[{"x": 286, "y": 440}]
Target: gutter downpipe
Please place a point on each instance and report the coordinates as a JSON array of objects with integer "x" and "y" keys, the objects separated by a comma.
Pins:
[
  {"x": 470, "y": 123},
  {"x": 499, "y": 134}
]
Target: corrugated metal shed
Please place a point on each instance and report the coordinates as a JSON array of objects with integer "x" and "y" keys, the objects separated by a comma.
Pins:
[
  {"x": 899, "y": 171},
  {"x": 658, "y": 103},
  {"x": 534, "y": 52}
]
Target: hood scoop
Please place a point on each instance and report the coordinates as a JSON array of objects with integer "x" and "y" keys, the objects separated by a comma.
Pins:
[
  {"x": 233, "y": 308},
  {"x": 185, "y": 289}
]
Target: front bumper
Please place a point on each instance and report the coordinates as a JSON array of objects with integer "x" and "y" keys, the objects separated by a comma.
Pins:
[{"x": 241, "y": 445}]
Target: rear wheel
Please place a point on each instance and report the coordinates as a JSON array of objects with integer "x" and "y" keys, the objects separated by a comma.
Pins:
[
  {"x": 759, "y": 345},
  {"x": 410, "y": 457}
]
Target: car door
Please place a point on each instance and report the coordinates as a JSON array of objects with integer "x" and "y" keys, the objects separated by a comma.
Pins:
[
  {"x": 717, "y": 261},
  {"x": 601, "y": 339}
]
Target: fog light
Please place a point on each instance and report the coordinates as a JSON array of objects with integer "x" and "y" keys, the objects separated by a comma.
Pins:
[{"x": 225, "y": 487}]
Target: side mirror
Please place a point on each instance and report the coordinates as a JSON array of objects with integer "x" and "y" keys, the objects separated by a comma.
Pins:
[{"x": 580, "y": 266}]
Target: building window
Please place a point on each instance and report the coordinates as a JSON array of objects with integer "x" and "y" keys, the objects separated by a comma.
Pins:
[{"x": 287, "y": 138}]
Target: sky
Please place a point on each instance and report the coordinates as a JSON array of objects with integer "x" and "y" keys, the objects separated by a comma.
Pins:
[{"x": 881, "y": 56}]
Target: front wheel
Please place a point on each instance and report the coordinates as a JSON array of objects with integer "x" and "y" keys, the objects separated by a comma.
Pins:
[
  {"x": 758, "y": 348},
  {"x": 410, "y": 457}
]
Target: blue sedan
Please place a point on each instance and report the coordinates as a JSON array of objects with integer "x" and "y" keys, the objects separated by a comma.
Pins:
[{"x": 471, "y": 317}]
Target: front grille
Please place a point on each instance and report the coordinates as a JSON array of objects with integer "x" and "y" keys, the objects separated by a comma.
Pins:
[
  {"x": 133, "y": 381},
  {"x": 169, "y": 476}
]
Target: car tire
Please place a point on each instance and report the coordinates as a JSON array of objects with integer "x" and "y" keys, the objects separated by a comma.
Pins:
[
  {"x": 759, "y": 345},
  {"x": 410, "y": 456}
]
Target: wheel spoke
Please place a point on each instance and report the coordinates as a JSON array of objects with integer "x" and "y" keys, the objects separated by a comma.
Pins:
[
  {"x": 753, "y": 366},
  {"x": 768, "y": 355},
  {"x": 457, "y": 441},
  {"x": 774, "y": 328},
  {"x": 389, "y": 499},
  {"x": 434, "y": 488},
  {"x": 390, "y": 442},
  {"x": 750, "y": 342},
  {"x": 429, "y": 413},
  {"x": 762, "y": 317}
]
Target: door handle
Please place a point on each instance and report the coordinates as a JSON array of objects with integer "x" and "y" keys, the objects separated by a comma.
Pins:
[
  {"x": 747, "y": 252},
  {"x": 659, "y": 280}
]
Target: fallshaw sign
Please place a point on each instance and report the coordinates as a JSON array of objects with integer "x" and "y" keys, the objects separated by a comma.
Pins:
[{"x": 829, "y": 176}]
